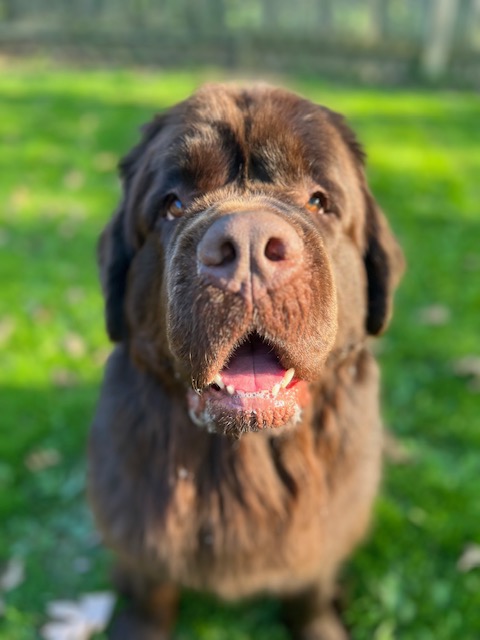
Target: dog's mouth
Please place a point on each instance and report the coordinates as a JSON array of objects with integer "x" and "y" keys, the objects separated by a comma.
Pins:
[
  {"x": 253, "y": 368},
  {"x": 252, "y": 391}
]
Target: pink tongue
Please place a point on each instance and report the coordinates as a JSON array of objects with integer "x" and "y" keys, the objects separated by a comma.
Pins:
[{"x": 253, "y": 367}]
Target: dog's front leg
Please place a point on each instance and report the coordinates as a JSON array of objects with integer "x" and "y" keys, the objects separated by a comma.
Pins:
[
  {"x": 311, "y": 615},
  {"x": 150, "y": 609}
]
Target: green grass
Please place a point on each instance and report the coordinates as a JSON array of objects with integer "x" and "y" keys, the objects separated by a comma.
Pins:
[{"x": 61, "y": 133}]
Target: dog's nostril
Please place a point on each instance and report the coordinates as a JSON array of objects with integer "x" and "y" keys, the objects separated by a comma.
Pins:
[
  {"x": 212, "y": 252},
  {"x": 275, "y": 250},
  {"x": 227, "y": 253}
]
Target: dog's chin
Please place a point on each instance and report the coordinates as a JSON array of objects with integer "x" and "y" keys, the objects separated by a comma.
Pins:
[{"x": 234, "y": 413}]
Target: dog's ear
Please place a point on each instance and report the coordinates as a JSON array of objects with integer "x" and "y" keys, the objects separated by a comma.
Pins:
[
  {"x": 116, "y": 248},
  {"x": 384, "y": 261},
  {"x": 384, "y": 264},
  {"x": 114, "y": 256}
]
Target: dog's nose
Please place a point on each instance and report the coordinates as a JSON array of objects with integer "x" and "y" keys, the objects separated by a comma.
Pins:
[{"x": 240, "y": 247}]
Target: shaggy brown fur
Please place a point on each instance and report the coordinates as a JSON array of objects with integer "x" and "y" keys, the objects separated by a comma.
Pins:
[{"x": 245, "y": 220}]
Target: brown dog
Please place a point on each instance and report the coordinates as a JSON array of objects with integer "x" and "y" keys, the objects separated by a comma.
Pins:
[{"x": 237, "y": 444}]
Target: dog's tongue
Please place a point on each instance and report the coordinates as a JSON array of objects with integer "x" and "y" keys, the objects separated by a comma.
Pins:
[{"x": 253, "y": 367}]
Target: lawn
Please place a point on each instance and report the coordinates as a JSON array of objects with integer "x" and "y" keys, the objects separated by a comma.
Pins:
[{"x": 62, "y": 132}]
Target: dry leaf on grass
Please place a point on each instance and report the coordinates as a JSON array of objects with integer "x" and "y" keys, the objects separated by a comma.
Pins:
[
  {"x": 74, "y": 345},
  {"x": 470, "y": 558},
  {"x": 79, "y": 620},
  {"x": 435, "y": 315},
  {"x": 467, "y": 366},
  {"x": 12, "y": 575},
  {"x": 41, "y": 459}
]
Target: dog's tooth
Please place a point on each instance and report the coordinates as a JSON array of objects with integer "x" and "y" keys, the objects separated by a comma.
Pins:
[
  {"x": 275, "y": 390},
  {"x": 230, "y": 389},
  {"x": 218, "y": 381},
  {"x": 288, "y": 377}
]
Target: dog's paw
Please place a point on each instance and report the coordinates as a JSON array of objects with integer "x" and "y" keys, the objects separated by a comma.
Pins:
[{"x": 127, "y": 625}]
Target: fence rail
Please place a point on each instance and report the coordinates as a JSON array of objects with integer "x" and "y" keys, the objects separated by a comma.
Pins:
[{"x": 378, "y": 39}]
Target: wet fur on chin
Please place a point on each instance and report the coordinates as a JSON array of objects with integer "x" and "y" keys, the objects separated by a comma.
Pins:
[{"x": 278, "y": 509}]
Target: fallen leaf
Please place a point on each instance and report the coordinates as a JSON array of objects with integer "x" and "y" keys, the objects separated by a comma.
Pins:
[
  {"x": 79, "y": 620},
  {"x": 74, "y": 345},
  {"x": 64, "y": 609},
  {"x": 467, "y": 366},
  {"x": 435, "y": 315},
  {"x": 70, "y": 629},
  {"x": 42, "y": 459},
  {"x": 470, "y": 558},
  {"x": 12, "y": 575},
  {"x": 98, "y": 608}
]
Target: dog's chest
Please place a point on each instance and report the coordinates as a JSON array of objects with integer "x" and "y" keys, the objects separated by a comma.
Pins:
[{"x": 245, "y": 524}]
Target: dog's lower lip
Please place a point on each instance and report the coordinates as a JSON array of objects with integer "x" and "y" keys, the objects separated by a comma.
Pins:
[{"x": 216, "y": 407}]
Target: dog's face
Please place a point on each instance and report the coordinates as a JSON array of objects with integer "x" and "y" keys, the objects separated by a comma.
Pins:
[{"x": 247, "y": 249}]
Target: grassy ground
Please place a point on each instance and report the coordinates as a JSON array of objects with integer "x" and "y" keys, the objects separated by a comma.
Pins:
[{"x": 61, "y": 133}]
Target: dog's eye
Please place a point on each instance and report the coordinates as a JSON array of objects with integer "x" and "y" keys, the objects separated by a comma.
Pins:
[
  {"x": 174, "y": 208},
  {"x": 318, "y": 203}
]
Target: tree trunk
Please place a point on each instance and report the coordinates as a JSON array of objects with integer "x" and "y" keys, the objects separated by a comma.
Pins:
[
  {"x": 378, "y": 26},
  {"x": 439, "y": 37}
]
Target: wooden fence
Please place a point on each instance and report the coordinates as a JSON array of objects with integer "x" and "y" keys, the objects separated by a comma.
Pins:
[{"x": 378, "y": 40}]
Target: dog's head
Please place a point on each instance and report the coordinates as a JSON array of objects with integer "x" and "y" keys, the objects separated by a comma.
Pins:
[{"x": 246, "y": 250}]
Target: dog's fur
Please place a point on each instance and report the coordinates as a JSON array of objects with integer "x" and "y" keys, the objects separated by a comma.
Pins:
[{"x": 231, "y": 501}]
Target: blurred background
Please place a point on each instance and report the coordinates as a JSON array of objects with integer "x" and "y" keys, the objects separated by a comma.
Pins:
[
  {"x": 77, "y": 79},
  {"x": 388, "y": 40}
]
